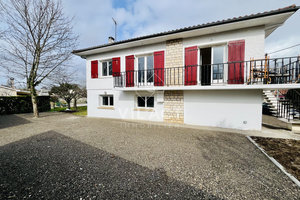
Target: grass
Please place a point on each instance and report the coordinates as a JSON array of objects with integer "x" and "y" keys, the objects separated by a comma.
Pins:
[{"x": 81, "y": 111}]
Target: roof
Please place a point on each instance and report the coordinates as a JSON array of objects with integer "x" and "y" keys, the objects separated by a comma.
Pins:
[{"x": 292, "y": 8}]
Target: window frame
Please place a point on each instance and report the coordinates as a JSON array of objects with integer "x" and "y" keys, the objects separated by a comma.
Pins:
[
  {"x": 212, "y": 61},
  {"x": 109, "y": 96},
  {"x": 107, "y": 64},
  {"x": 145, "y": 74},
  {"x": 225, "y": 59},
  {"x": 146, "y": 102}
]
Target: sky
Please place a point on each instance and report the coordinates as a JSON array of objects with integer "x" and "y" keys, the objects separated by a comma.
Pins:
[{"x": 93, "y": 20}]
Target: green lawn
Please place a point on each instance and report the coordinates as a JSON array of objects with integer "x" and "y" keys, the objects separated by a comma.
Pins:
[{"x": 81, "y": 111}]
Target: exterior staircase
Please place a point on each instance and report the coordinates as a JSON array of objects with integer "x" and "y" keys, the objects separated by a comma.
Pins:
[
  {"x": 286, "y": 107},
  {"x": 271, "y": 101}
]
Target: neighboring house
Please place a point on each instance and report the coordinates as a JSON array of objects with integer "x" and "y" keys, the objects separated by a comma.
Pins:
[
  {"x": 43, "y": 92},
  {"x": 203, "y": 75},
  {"x": 11, "y": 91}
]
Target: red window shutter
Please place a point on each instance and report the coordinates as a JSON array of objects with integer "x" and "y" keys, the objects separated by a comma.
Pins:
[
  {"x": 236, "y": 54},
  {"x": 159, "y": 68},
  {"x": 94, "y": 69},
  {"x": 191, "y": 65},
  {"x": 129, "y": 71},
  {"x": 116, "y": 69}
]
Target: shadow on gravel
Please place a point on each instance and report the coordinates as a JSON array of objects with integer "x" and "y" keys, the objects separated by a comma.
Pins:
[
  {"x": 53, "y": 166},
  {"x": 12, "y": 120}
]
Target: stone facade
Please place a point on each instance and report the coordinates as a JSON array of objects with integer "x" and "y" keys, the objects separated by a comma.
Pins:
[
  {"x": 173, "y": 100},
  {"x": 173, "y": 106},
  {"x": 174, "y": 62}
]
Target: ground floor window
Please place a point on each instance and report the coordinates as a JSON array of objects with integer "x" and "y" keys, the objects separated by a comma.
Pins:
[
  {"x": 145, "y": 102},
  {"x": 107, "y": 100}
]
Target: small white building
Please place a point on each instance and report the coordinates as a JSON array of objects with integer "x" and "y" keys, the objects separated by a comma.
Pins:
[{"x": 211, "y": 74}]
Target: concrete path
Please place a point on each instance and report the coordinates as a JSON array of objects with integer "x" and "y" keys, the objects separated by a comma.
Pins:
[{"x": 61, "y": 156}]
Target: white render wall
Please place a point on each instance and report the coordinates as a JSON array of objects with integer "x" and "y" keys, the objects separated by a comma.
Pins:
[
  {"x": 124, "y": 105},
  {"x": 254, "y": 41},
  {"x": 236, "y": 109}
]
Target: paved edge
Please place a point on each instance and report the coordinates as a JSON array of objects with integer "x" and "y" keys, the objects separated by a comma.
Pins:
[
  {"x": 276, "y": 127},
  {"x": 275, "y": 162}
]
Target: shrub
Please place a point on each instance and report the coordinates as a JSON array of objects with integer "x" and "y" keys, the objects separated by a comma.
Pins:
[{"x": 22, "y": 104}]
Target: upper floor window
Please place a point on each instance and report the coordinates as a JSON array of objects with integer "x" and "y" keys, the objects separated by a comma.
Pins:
[
  {"x": 218, "y": 60},
  {"x": 107, "y": 68},
  {"x": 145, "y": 69}
]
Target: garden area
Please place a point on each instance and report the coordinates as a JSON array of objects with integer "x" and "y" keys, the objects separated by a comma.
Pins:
[
  {"x": 285, "y": 151},
  {"x": 79, "y": 111}
]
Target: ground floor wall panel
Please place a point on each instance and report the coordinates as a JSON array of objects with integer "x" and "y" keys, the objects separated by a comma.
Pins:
[
  {"x": 237, "y": 109},
  {"x": 124, "y": 106}
]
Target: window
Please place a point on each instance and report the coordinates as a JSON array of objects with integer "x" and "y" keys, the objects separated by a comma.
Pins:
[
  {"x": 218, "y": 60},
  {"x": 144, "y": 102},
  {"x": 145, "y": 69},
  {"x": 141, "y": 72},
  {"x": 107, "y": 68},
  {"x": 107, "y": 100}
]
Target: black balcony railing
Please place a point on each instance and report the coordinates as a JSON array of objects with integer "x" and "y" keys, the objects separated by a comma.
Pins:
[
  {"x": 264, "y": 71},
  {"x": 289, "y": 107}
]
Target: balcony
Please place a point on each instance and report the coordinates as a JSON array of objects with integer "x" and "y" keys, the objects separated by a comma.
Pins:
[{"x": 252, "y": 74}]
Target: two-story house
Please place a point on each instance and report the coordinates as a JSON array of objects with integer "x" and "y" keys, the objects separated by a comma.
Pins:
[{"x": 211, "y": 74}]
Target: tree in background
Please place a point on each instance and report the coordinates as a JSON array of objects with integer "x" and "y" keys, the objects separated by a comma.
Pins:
[
  {"x": 38, "y": 42},
  {"x": 80, "y": 92},
  {"x": 65, "y": 91}
]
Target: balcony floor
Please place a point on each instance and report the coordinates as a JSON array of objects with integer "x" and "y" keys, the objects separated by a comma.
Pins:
[{"x": 213, "y": 87}]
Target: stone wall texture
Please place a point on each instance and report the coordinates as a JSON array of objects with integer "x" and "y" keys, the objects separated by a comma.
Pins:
[
  {"x": 173, "y": 106},
  {"x": 174, "y": 62},
  {"x": 173, "y": 100}
]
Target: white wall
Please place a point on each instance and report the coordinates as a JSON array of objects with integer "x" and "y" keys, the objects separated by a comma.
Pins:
[
  {"x": 124, "y": 105},
  {"x": 254, "y": 41},
  {"x": 240, "y": 109},
  {"x": 7, "y": 91}
]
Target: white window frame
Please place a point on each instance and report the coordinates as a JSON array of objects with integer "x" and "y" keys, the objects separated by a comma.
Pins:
[
  {"x": 145, "y": 69},
  {"x": 218, "y": 81},
  {"x": 225, "y": 58},
  {"x": 146, "y": 102},
  {"x": 101, "y": 71},
  {"x": 109, "y": 98}
]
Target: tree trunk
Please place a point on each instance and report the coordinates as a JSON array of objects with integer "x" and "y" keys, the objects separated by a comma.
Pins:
[
  {"x": 69, "y": 104},
  {"x": 75, "y": 103},
  {"x": 34, "y": 102}
]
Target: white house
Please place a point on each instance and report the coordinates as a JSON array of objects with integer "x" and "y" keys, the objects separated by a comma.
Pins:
[{"x": 211, "y": 74}]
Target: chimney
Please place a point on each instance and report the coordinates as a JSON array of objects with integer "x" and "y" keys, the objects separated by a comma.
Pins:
[
  {"x": 111, "y": 40},
  {"x": 11, "y": 82}
]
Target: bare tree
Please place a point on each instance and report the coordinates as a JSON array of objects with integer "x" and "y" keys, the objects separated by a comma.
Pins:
[{"x": 38, "y": 42}]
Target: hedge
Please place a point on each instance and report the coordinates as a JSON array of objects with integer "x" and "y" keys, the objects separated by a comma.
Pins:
[{"x": 22, "y": 104}]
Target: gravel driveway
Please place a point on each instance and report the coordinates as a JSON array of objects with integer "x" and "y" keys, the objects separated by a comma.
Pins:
[{"x": 61, "y": 156}]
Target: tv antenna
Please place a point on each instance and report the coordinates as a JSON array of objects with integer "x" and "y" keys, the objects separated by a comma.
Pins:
[{"x": 115, "y": 28}]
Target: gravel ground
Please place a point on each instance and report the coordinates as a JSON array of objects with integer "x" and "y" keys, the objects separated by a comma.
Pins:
[{"x": 61, "y": 156}]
